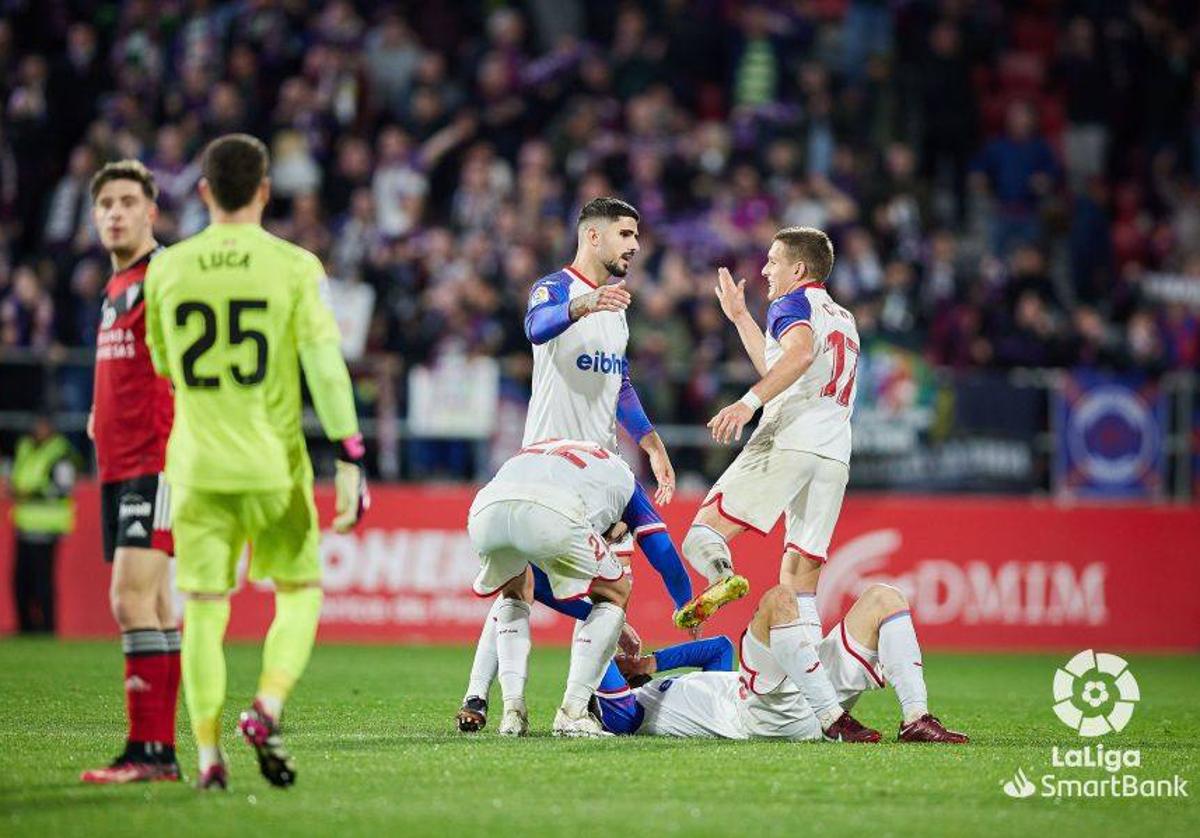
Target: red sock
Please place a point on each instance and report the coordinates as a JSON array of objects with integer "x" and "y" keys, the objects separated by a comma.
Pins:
[
  {"x": 145, "y": 682},
  {"x": 171, "y": 694}
]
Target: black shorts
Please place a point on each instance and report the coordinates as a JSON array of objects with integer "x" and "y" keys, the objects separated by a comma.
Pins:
[{"x": 136, "y": 513}]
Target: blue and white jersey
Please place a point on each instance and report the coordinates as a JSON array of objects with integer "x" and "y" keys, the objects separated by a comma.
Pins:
[
  {"x": 814, "y": 413},
  {"x": 578, "y": 373}
]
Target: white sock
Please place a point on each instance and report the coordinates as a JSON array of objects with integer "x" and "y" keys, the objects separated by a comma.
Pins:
[
  {"x": 797, "y": 655},
  {"x": 512, "y": 648},
  {"x": 591, "y": 649},
  {"x": 706, "y": 551},
  {"x": 810, "y": 618},
  {"x": 900, "y": 658},
  {"x": 483, "y": 668},
  {"x": 210, "y": 755},
  {"x": 273, "y": 704}
]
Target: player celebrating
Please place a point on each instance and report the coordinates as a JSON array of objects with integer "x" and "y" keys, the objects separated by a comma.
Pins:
[
  {"x": 233, "y": 313},
  {"x": 875, "y": 643},
  {"x": 550, "y": 505},
  {"x": 581, "y": 390},
  {"x": 797, "y": 461},
  {"x": 129, "y": 422}
]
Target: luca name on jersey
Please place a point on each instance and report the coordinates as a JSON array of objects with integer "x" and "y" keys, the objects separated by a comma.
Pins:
[{"x": 224, "y": 259}]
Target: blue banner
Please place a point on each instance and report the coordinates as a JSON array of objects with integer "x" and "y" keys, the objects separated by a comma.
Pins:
[{"x": 1111, "y": 433}]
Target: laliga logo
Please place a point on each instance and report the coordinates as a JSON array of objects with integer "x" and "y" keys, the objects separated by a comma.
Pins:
[{"x": 1094, "y": 693}]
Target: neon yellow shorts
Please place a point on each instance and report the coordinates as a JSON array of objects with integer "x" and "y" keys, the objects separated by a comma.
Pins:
[{"x": 212, "y": 528}]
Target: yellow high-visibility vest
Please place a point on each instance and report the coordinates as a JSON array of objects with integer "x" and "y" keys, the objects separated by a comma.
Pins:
[{"x": 32, "y": 475}]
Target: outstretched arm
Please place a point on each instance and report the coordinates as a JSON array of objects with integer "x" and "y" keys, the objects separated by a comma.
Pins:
[
  {"x": 798, "y": 353},
  {"x": 733, "y": 302},
  {"x": 632, "y": 417}
]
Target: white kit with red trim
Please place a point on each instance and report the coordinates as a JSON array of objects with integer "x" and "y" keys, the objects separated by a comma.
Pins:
[{"x": 813, "y": 414}]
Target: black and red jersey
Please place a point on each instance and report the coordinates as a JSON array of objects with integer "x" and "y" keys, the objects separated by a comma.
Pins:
[{"x": 134, "y": 406}]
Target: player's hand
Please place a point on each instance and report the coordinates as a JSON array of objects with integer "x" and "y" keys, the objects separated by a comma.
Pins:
[
  {"x": 664, "y": 474},
  {"x": 731, "y": 295},
  {"x": 727, "y": 425},
  {"x": 613, "y": 297},
  {"x": 91, "y": 424},
  {"x": 630, "y": 643},
  {"x": 637, "y": 670},
  {"x": 350, "y": 485}
]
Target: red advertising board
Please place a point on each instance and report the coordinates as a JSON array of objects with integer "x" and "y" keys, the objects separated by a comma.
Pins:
[{"x": 981, "y": 573}]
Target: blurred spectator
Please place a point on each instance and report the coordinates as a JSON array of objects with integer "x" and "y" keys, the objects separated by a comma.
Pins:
[
  {"x": 26, "y": 312},
  {"x": 1017, "y": 172},
  {"x": 1087, "y": 91}
]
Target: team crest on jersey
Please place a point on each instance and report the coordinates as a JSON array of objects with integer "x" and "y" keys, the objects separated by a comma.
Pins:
[{"x": 540, "y": 295}]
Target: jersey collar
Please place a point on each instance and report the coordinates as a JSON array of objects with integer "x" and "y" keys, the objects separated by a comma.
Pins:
[
  {"x": 573, "y": 271},
  {"x": 139, "y": 263}
]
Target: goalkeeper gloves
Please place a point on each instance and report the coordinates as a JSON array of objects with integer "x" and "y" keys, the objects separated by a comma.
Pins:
[{"x": 350, "y": 483}]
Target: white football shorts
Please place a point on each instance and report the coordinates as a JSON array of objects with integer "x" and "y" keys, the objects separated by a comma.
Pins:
[
  {"x": 764, "y": 482},
  {"x": 510, "y": 534}
]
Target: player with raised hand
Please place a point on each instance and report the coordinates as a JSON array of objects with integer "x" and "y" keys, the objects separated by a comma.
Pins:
[
  {"x": 874, "y": 644},
  {"x": 797, "y": 461},
  {"x": 129, "y": 423},
  {"x": 233, "y": 314},
  {"x": 582, "y": 390}
]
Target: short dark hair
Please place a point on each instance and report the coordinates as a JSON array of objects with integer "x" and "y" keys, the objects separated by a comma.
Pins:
[
  {"x": 125, "y": 170},
  {"x": 608, "y": 208},
  {"x": 810, "y": 246},
  {"x": 234, "y": 165}
]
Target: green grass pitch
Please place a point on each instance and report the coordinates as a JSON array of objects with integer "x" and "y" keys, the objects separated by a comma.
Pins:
[{"x": 372, "y": 734}]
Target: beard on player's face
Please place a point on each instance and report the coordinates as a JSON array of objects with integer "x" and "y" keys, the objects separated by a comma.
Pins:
[{"x": 615, "y": 268}]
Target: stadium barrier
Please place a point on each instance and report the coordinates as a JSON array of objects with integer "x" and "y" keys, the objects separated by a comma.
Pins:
[{"x": 989, "y": 573}]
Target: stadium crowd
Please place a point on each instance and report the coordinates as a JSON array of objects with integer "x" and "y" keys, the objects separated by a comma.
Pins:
[{"x": 998, "y": 178}]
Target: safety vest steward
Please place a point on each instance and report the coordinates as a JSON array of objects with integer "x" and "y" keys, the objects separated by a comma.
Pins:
[{"x": 32, "y": 477}]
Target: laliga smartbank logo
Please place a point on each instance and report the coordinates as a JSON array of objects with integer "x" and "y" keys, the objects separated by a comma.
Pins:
[{"x": 1094, "y": 694}]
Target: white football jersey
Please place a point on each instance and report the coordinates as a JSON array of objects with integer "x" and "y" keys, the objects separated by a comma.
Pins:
[
  {"x": 814, "y": 413},
  {"x": 696, "y": 704},
  {"x": 576, "y": 375},
  {"x": 560, "y": 475}
]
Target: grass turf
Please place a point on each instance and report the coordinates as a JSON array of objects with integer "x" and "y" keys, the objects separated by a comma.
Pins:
[{"x": 371, "y": 730}]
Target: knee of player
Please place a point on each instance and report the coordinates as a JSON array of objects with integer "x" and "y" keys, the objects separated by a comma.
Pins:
[
  {"x": 616, "y": 591},
  {"x": 133, "y": 608},
  {"x": 883, "y": 598},
  {"x": 780, "y": 604}
]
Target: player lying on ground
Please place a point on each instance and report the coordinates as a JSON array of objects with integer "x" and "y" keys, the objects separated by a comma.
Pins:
[
  {"x": 549, "y": 506},
  {"x": 874, "y": 644},
  {"x": 233, "y": 314},
  {"x": 129, "y": 423},
  {"x": 797, "y": 461},
  {"x": 582, "y": 390}
]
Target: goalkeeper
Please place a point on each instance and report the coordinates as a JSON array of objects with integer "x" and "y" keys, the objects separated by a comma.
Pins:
[{"x": 232, "y": 315}]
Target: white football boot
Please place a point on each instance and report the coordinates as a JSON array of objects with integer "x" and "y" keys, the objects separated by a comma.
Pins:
[
  {"x": 515, "y": 721},
  {"x": 586, "y": 726}
]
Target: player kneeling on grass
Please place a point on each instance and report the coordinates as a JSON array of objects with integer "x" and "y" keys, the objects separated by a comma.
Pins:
[
  {"x": 874, "y": 644},
  {"x": 548, "y": 506}
]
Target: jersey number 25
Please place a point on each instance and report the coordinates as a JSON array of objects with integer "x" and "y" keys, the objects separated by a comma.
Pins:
[{"x": 208, "y": 337}]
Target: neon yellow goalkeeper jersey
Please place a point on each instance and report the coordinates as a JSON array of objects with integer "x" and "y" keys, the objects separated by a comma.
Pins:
[{"x": 227, "y": 313}]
